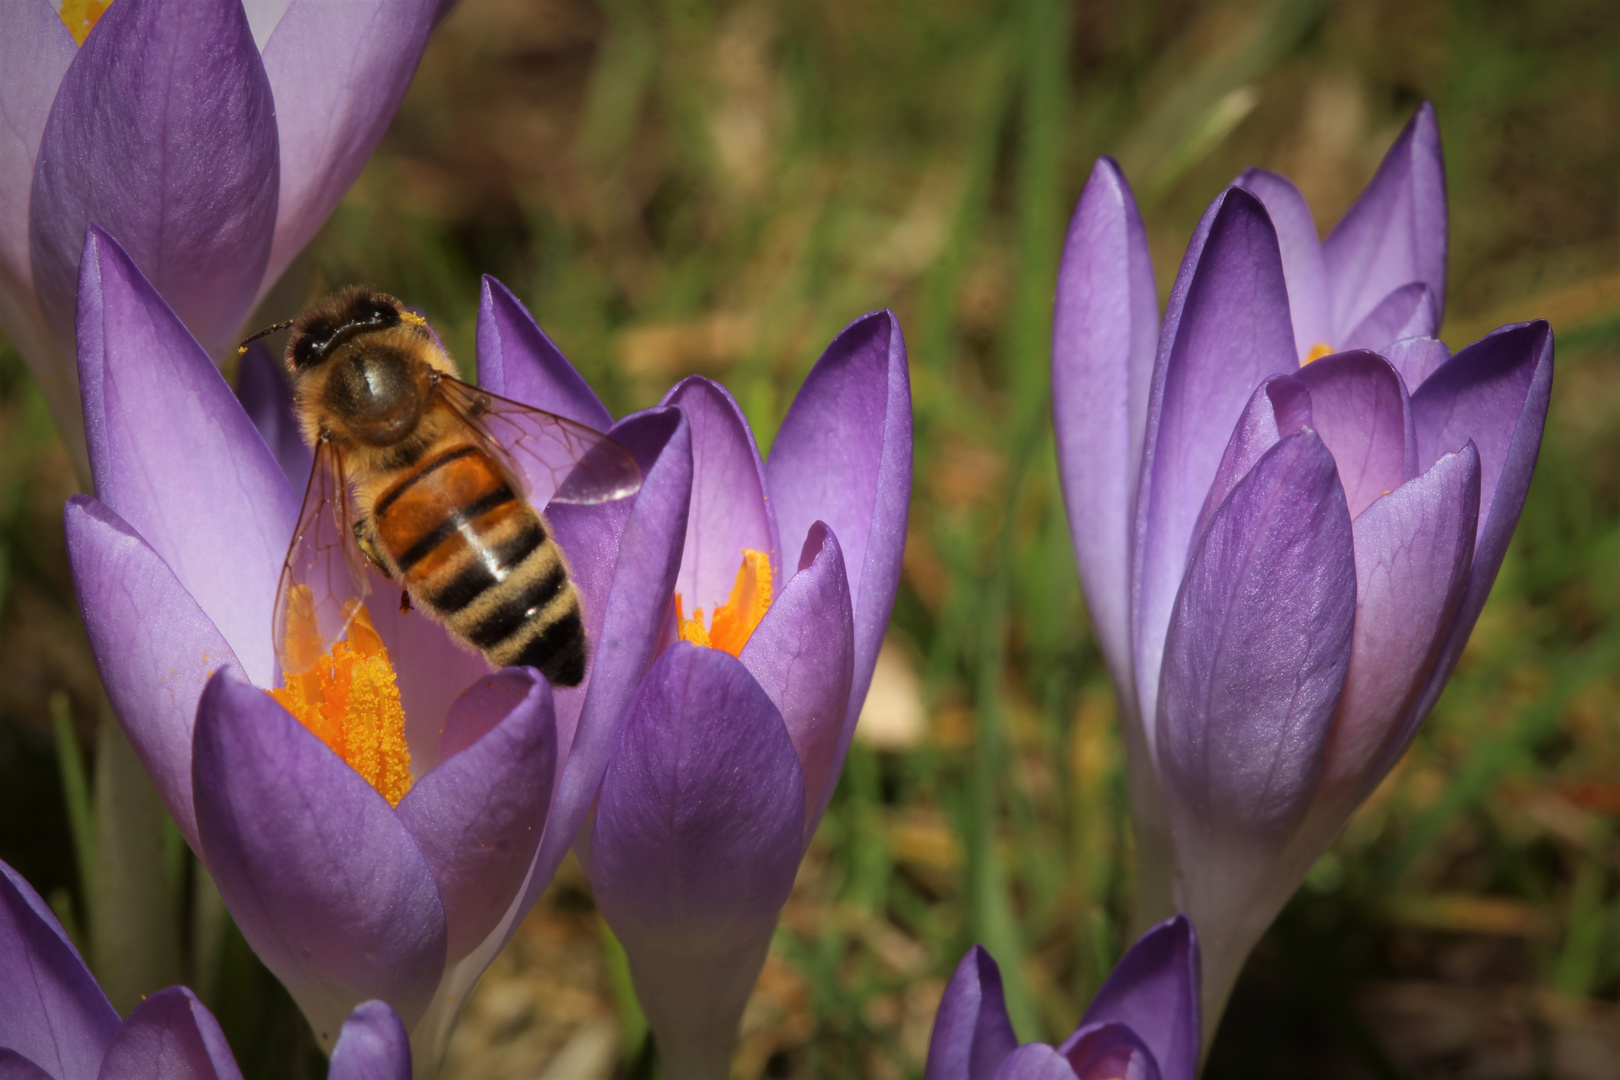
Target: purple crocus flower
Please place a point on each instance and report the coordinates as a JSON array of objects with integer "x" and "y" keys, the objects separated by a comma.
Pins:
[
  {"x": 1287, "y": 515},
  {"x": 347, "y": 886},
  {"x": 1142, "y": 1025},
  {"x": 56, "y": 1024},
  {"x": 211, "y": 137},
  {"x": 731, "y": 744}
]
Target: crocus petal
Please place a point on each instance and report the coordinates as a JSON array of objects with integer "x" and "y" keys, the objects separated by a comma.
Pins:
[
  {"x": 1360, "y": 409},
  {"x": 13, "y": 1066},
  {"x": 730, "y": 512},
  {"x": 262, "y": 17},
  {"x": 1396, "y": 231},
  {"x": 972, "y": 1034},
  {"x": 338, "y": 72},
  {"x": 154, "y": 669},
  {"x": 803, "y": 655},
  {"x": 174, "y": 455},
  {"x": 266, "y": 397},
  {"x": 1309, "y": 302},
  {"x": 1407, "y": 312},
  {"x": 1153, "y": 993},
  {"x": 1416, "y": 359},
  {"x": 843, "y": 456},
  {"x": 373, "y": 1045},
  {"x": 1035, "y": 1061},
  {"x": 1110, "y": 1052},
  {"x": 1225, "y": 330},
  {"x": 477, "y": 817},
  {"x": 1105, "y": 325},
  {"x": 51, "y": 1011},
  {"x": 517, "y": 360},
  {"x": 1281, "y": 405},
  {"x": 693, "y": 852},
  {"x": 170, "y": 1035},
  {"x": 317, "y": 870},
  {"x": 164, "y": 134}
]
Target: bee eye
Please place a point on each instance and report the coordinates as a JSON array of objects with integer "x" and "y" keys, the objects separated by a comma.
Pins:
[
  {"x": 312, "y": 344},
  {"x": 375, "y": 312}
]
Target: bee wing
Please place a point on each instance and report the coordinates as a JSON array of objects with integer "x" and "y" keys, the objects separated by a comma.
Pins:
[
  {"x": 556, "y": 459},
  {"x": 324, "y": 578}
]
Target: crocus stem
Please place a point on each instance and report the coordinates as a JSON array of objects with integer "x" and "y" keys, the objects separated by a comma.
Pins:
[{"x": 134, "y": 934}]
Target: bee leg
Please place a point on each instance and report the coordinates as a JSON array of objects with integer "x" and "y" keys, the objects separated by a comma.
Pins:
[
  {"x": 368, "y": 548},
  {"x": 404, "y": 601}
]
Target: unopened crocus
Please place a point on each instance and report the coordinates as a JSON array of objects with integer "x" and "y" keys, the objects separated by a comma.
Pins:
[
  {"x": 381, "y": 838},
  {"x": 1142, "y": 1025},
  {"x": 56, "y": 1024},
  {"x": 1286, "y": 518},
  {"x": 731, "y": 744},
  {"x": 211, "y": 137}
]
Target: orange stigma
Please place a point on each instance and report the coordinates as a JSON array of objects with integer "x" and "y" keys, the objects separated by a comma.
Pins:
[
  {"x": 1319, "y": 350},
  {"x": 734, "y": 621},
  {"x": 81, "y": 15},
  {"x": 348, "y": 699}
]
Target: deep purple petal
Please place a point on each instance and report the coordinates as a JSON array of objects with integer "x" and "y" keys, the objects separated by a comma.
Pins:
[
  {"x": 372, "y": 1046},
  {"x": 174, "y": 455},
  {"x": 163, "y": 134},
  {"x": 170, "y": 1035},
  {"x": 317, "y": 870},
  {"x": 13, "y": 1066},
  {"x": 803, "y": 655},
  {"x": 266, "y": 397},
  {"x": 477, "y": 817},
  {"x": 843, "y": 456},
  {"x": 1396, "y": 231},
  {"x": 1408, "y": 312},
  {"x": 730, "y": 511},
  {"x": 695, "y": 845},
  {"x": 153, "y": 668},
  {"x": 1256, "y": 653},
  {"x": 517, "y": 360},
  {"x": 1226, "y": 329},
  {"x": 1110, "y": 1052},
  {"x": 35, "y": 51},
  {"x": 1309, "y": 303},
  {"x": 51, "y": 1010},
  {"x": 1153, "y": 992},
  {"x": 1416, "y": 359},
  {"x": 1361, "y": 411},
  {"x": 1281, "y": 404},
  {"x": 481, "y": 707},
  {"x": 1035, "y": 1061},
  {"x": 972, "y": 1033},
  {"x": 1104, "y": 328},
  {"x": 338, "y": 72}
]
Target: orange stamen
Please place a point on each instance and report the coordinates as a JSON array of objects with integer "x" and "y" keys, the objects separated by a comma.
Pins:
[
  {"x": 348, "y": 699},
  {"x": 1319, "y": 350},
  {"x": 735, "y": 620},
  {"x": 80, "y": 16}
]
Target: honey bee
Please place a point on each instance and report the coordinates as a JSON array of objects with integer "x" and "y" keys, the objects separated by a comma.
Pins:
[{"x": 434, "y": 484}]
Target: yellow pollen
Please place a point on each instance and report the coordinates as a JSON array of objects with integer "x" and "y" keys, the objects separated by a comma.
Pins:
[
  {"x": 1319, "y": 350},
  {"x": 735, "y": 620},
  {"x": 348, "y": 699},
  {"x": 413, "y": 318},
  {"x": 81, "y": 15}
]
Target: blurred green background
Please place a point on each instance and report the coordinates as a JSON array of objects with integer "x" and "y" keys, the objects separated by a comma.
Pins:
[{"x": 718, "y": 187}]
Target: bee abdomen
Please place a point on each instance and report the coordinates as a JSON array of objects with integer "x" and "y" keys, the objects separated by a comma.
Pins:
[{"x": 529, "y": 617}]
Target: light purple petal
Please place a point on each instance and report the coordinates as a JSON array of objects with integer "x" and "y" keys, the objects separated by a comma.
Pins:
[
  {"x": 1257, "y": 649},
  {"x": 1309, "y": 303},
  {"x": 35, "y": 51},
  {"x": 338, "y": 72},
  {"x": 843, "y": 456},
  {"x": 164, "y": 135},
  {"x": 1153, "y": 992},
  {"x": 317, "y": 870},
  {"x": 694, "y": 848},
  {"x": 173, "y": 1036},
  {"x": 972, "y": 1033},
  {"x": 1396, "y": 231},
  {"x": 517, "y": 360},
  {"x": 1360, "y": 410},
  {"x": 477, "y": 817},
  {"x": 730, "y": 511},
  {"x": 174, "y": 455},
  {"x": 1226, "y": 329},
  {"x": 1416, "y": 359},
  {"x": 803, "y": 654},
  {"x": 1035, "y": 1061},
  {"x": 1408, "y": 312},
  {"x": 154, "y": 669},
  {"x": 13, "y": 1066},
  {"x": 51, "y": 1010},
  {"x": 481, "y": 707},
  {"x": 372, "y": 1046},
  {"x": 1104, "y": 328},
  {"x": 1281, "y": 404},
  {"x": 266, "y": 397}
]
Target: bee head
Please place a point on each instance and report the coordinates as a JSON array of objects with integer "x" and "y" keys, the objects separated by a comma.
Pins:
[{"x": 357, "y": 312}]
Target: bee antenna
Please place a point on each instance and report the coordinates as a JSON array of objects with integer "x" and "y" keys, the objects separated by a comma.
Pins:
[{"x": 241, "y": 346}]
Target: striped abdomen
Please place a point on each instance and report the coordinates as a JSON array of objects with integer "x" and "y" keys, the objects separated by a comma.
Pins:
[{"x": 475, "y": 554}]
